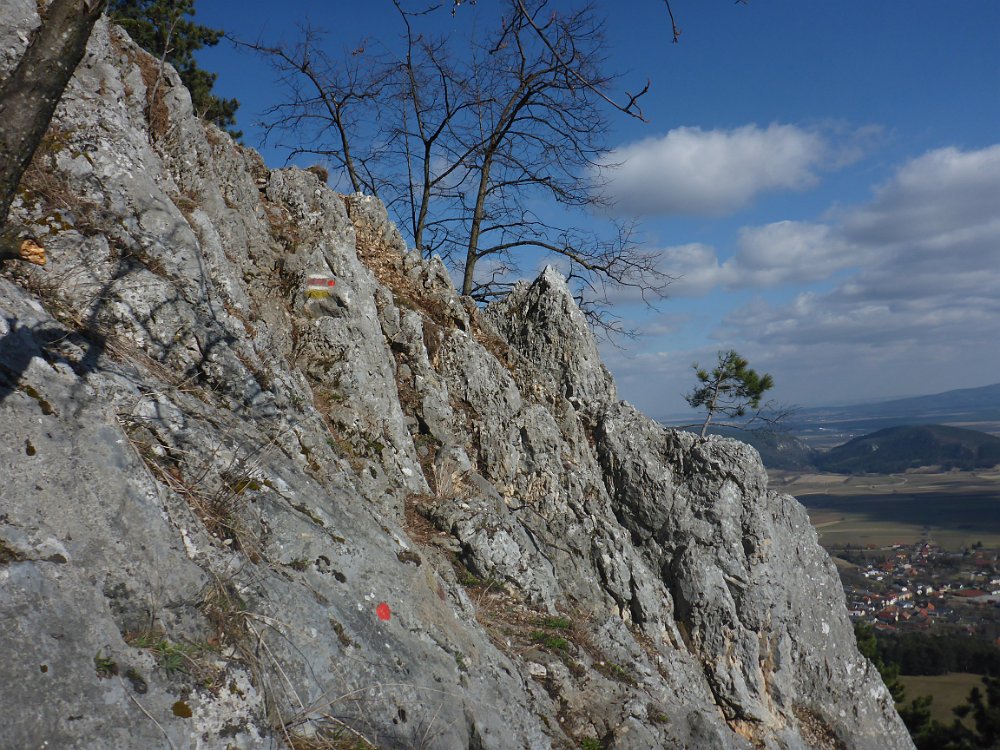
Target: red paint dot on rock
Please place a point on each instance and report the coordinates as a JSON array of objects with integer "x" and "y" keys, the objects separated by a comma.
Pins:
[{"x": 383, "y": 611}]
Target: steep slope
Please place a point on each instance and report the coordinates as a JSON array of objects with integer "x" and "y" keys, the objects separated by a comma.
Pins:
[
  {"x": 900, "y": 448},
  {"x": 233, "y": 515}
]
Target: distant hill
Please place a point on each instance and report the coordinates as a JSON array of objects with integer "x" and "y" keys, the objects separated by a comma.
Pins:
[
  {"x": 975, "y": 403},
  {"x": 896, "y": 449},
  {"x": 964, "y": 406},
  {"x": 826, "y": 426},
  {"x": 778, "y": 450}
]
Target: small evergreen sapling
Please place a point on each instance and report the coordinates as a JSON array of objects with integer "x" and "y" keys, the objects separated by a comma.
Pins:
[{"x": 729, "y": 389}]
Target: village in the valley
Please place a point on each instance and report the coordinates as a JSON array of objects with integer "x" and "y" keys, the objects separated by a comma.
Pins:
[{"x": 922, "y": 587}]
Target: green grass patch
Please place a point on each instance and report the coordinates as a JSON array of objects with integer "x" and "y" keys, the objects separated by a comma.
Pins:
[
  {"x": 172, "y": 657},
  {"x": 105, "y": 666},
  {"x": 550, "y": 641},
  {"x": 948, "y": 690},
  {"x": 556, "y": 623}
]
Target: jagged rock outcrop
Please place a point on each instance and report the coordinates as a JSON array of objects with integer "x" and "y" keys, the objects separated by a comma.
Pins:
[{"x": 232, "y": 515}]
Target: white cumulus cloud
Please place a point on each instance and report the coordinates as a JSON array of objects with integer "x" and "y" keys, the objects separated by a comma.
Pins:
[
  {"x": 937, "y": 219},
  {"x": 690, "y": 171},
  {"x": 938, "y": 196},
  {"x": 772, "y": 255},
  {"x": 911, "y": 304},
  {"x": 921, "y": 303}
]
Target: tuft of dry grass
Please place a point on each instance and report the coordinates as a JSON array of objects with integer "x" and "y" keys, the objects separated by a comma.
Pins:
[
  {"x": 336, "y": 737},
  {"x": 216, "y": 495},
  {"x": 377, "y": 253},
  {"x": 450, "y": 482},
  {"x": 419, "y": 528},
  {"x": 320, "y": 171},
  {"x": 815, "y": 731},
  {"x": 153, "y": 78},
  {"x": 44, "y": 189}
]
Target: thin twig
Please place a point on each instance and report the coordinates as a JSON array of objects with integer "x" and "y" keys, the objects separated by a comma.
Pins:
[
  {"x": 631, "y": 108},
  {"x": 149, "y": 715},
  {"x": 673, "y": 23},
  {"x": 163, "y": 61}
]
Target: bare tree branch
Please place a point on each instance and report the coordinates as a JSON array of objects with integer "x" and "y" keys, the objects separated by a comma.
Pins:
[
  {"x": 673, "y": 22},
  {"x": 324, "y": 97},
  {"x": 631, "y": 107},
  {"x": 470, "y": 141}
]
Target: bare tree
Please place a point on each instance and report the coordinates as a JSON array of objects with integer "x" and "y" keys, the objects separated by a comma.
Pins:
[
  {"x": 431, "y": 104},
  {"x": 385, "y": 122},
  {"x": 472, "y": 143},
  {"x": 631, "y": 105},
  {"x": 28, "y": 98},
  {"x": 327, "y": 103},
  {"x": 541, "y": 130}
]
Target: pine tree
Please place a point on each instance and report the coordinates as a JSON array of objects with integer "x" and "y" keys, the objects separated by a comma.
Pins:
[
  {"x": 730, "y": 388},
  {"x": 164, "y": 29}
]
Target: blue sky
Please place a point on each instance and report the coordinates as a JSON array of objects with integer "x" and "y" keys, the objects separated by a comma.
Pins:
[{"x": 823, "y": 178}]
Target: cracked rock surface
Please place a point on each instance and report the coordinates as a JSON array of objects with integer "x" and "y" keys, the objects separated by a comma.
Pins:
[{"x": 234, "y": 515}]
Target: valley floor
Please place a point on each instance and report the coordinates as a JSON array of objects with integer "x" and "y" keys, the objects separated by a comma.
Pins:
[{"x": 951, "y": 509}]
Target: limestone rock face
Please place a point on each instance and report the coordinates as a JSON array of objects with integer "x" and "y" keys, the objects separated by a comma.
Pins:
[
  {"x": 236, "y": 515},
  {"x": 538, "y": 319}
]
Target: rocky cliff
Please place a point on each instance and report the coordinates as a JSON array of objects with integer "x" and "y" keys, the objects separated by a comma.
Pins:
[{"x": 233, "y": 515}]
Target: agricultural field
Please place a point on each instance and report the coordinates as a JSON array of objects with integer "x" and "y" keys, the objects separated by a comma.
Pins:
[
  {"x": 953, "y": 509},
  {"x": 949, "y": 690}
]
